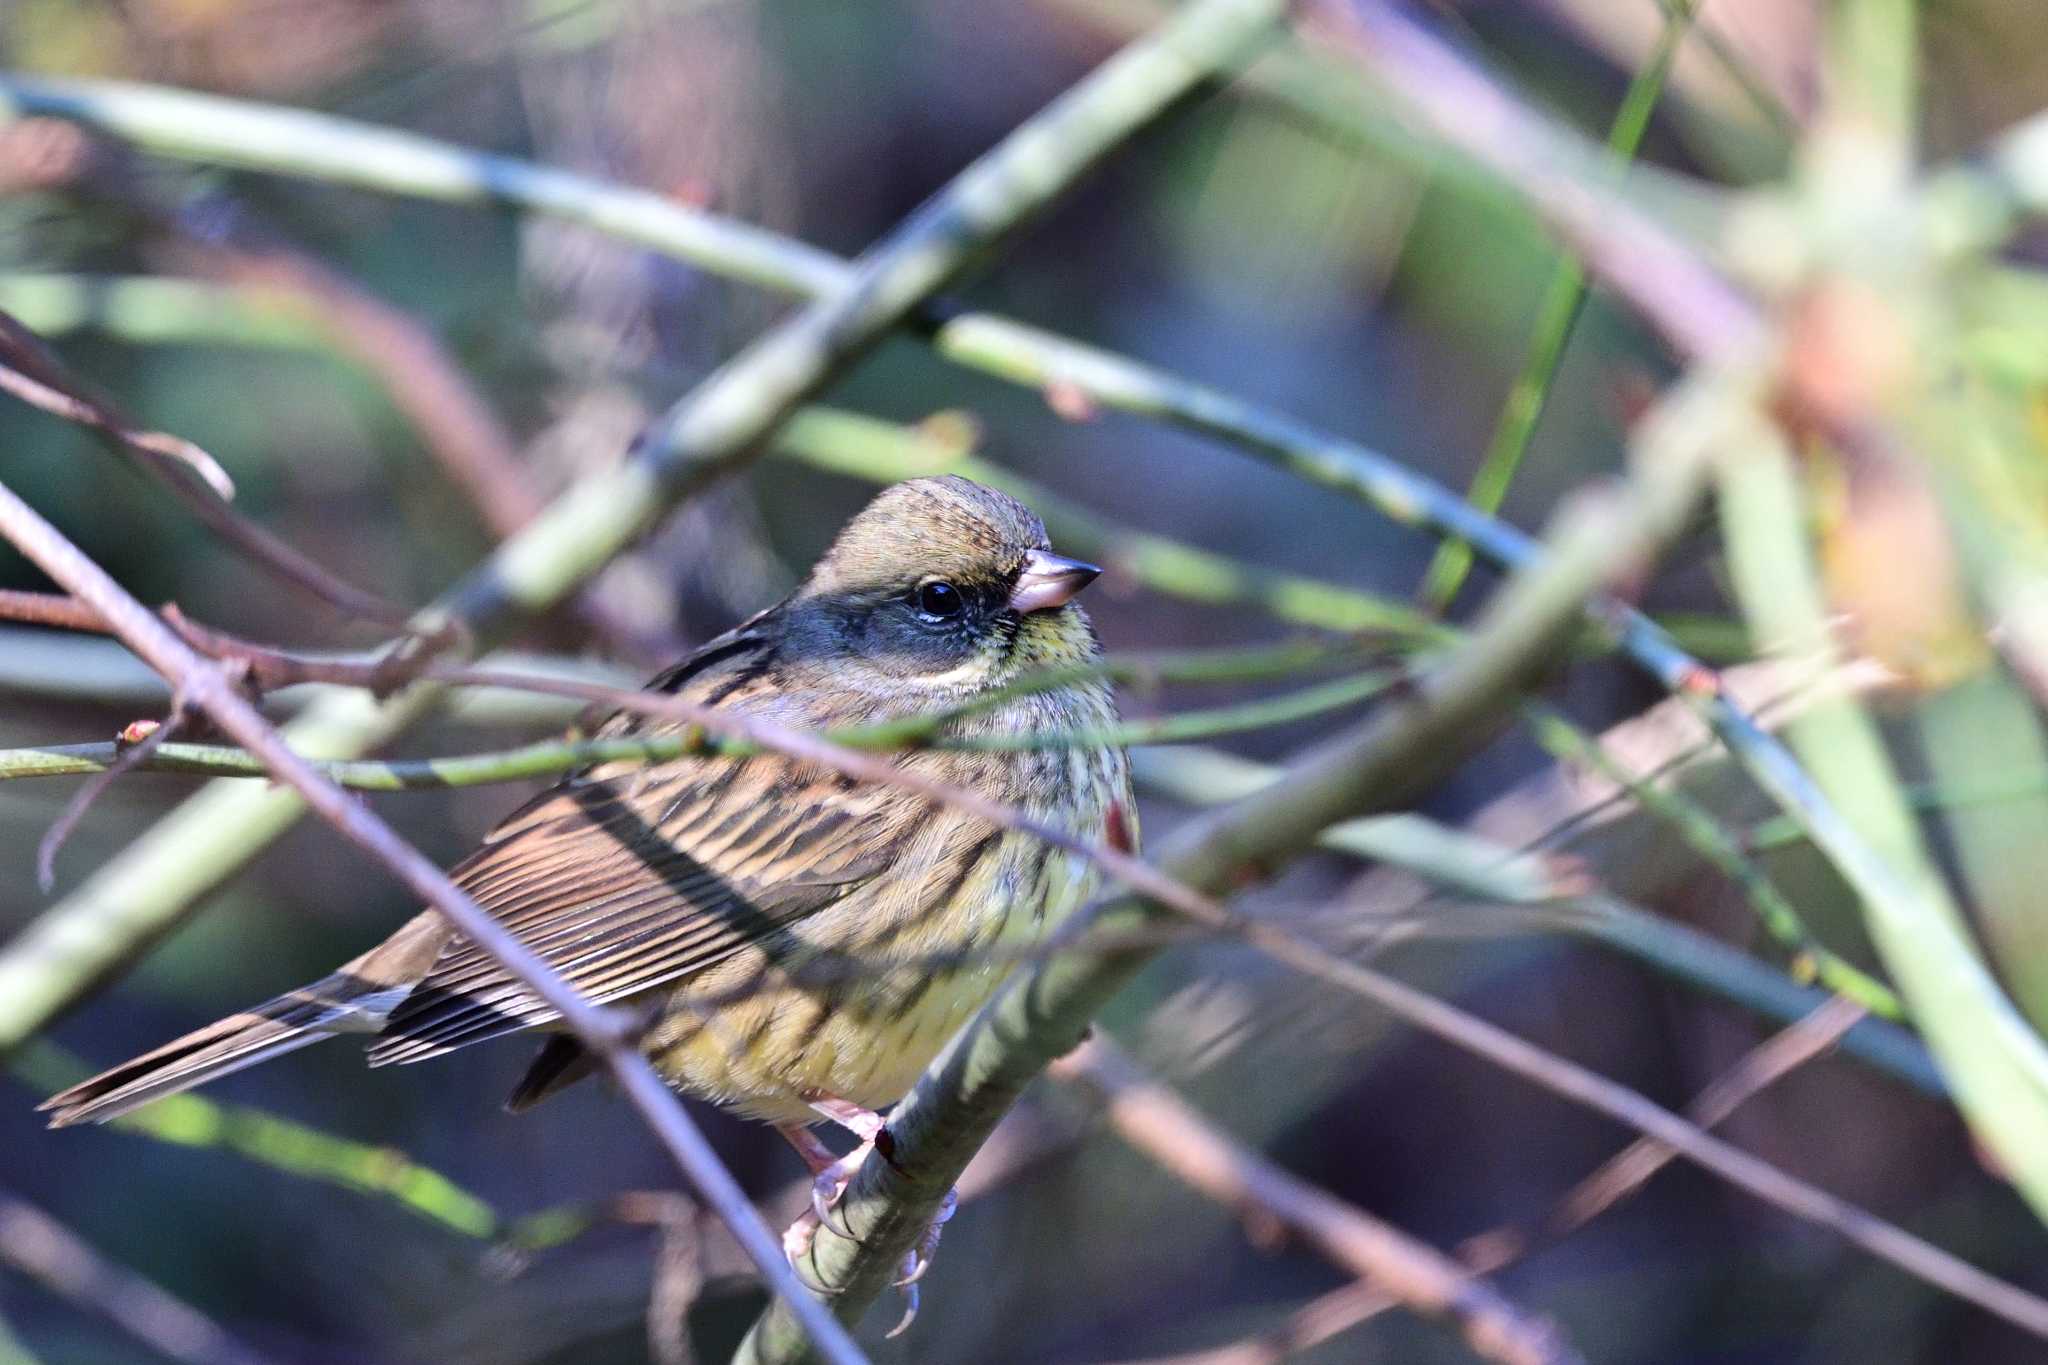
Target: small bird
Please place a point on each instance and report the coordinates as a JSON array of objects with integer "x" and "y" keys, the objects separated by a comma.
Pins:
[{"x": 802, "y": 943}]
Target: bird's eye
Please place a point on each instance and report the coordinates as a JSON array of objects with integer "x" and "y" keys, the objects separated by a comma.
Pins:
[{"x": 940, "y": 601}]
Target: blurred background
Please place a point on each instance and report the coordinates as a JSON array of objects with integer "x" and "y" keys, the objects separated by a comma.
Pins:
[{"x": 322, "y": 342}]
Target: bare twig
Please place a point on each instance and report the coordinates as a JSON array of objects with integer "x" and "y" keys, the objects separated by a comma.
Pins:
[
  {"x": 1760, "y": 1068},
  {"x": 29, "y": 372},
  {"x": 46, "y": 1251},
  {"x": 49, "y": 609},
  {"x": 126, "y": 758},
  {"x": 1313, "y": 1323},
  {"x": 1157, "y": 1122},
  {"x": 264, "y": 668},
  {"x": 1341, "y": 1310}
]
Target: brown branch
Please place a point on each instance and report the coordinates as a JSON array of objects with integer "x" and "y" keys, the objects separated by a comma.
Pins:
[
  {"x": 50, "y": 609},
  {"x": 1631, "y": 1168},
  {"x": 1698, "y": 312},
  {"x": 1157, "y": 1122},
  {"x": 29, "y": 372},
  {"x": 1315, "y": 1322},
  {"x": 49, "y": 1253},
  {"x": 207, "y": 686},
  {"x": 264, "y": 668}
]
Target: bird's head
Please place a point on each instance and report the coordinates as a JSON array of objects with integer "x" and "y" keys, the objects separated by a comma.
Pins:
[{"x": 944, "y": 587}]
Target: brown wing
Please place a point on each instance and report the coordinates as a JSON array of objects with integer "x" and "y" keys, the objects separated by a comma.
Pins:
[{"x": 625, "y": 880}]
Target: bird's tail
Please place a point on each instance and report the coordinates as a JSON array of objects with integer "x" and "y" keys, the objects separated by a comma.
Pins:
[{"x": 356, "y": 999}]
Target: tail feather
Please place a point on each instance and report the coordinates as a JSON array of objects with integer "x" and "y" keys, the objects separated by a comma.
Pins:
[
  {"x": 226, "y": 1046},
  {"x": 356, "y": 999}
]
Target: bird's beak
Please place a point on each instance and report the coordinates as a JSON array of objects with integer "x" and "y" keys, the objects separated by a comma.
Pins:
[{"x": 1049, "y": 581}]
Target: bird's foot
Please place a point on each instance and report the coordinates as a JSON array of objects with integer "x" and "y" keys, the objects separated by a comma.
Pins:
[{"x": 830, "y": 1177}]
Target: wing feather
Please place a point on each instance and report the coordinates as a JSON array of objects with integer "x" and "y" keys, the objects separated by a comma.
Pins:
[{"x": 625, "y": 880}]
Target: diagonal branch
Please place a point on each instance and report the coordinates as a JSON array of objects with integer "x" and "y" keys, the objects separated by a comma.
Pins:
[
  {"x": 204, "y": 685},
  {"x": 1489, "y": 1253},
  {"x": 30, "y": 373},
  {"x": 1043, "y": 1010}
]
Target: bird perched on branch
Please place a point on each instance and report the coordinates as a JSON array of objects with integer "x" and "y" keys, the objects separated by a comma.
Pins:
[{"x": 803, "y": 943}]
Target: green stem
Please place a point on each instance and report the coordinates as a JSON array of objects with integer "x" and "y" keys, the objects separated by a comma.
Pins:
[
  {"x": 553, "y": 758},
  {"x": 1993, "y": 1059},
  {"x": 1563, "y": 300},
  {"x": 1782, "y": 831}
]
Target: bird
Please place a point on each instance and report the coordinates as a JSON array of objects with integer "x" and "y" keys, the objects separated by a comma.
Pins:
[{"x": 802, "y": 944}]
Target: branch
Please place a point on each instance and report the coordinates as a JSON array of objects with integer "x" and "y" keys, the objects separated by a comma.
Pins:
[
  {"x": 1480, "y": 866},
  {"x": 1489, "y": 1253},
  {"x": 1158, "y": 1123},
  {"x": 30, "y": 373},
  {"x": 1661, "y": 277},
  {"x": 1042, "y": 1010},
  {"x": 715, "y": 429},
  {"x": 554, "y": 758}
]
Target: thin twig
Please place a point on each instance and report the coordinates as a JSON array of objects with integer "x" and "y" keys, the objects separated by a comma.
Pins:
[
  {"x": 49, "y": 609},
  {"x": 127, "y": 757},
  {"x": 1759, "y": 1069},
  {"x": 1343, "y": 1309},
  {"x": 1472, "y": 864},
  {"x": 550, "y": 758},
  {"x": 1158, "y": 1123},
  {"x": 1722, "y": 851},
  {"x": 1315, "y": 1322},
  {"x": 30, "y": 373}
]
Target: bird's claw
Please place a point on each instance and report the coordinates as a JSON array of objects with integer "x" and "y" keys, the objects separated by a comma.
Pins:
[
  {"x": 910, "y": 1297},
  {"x": 796, "y": 1246},
  {"x": 919, "y": 1260},
  {"x": 828, "y": 1189}
]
